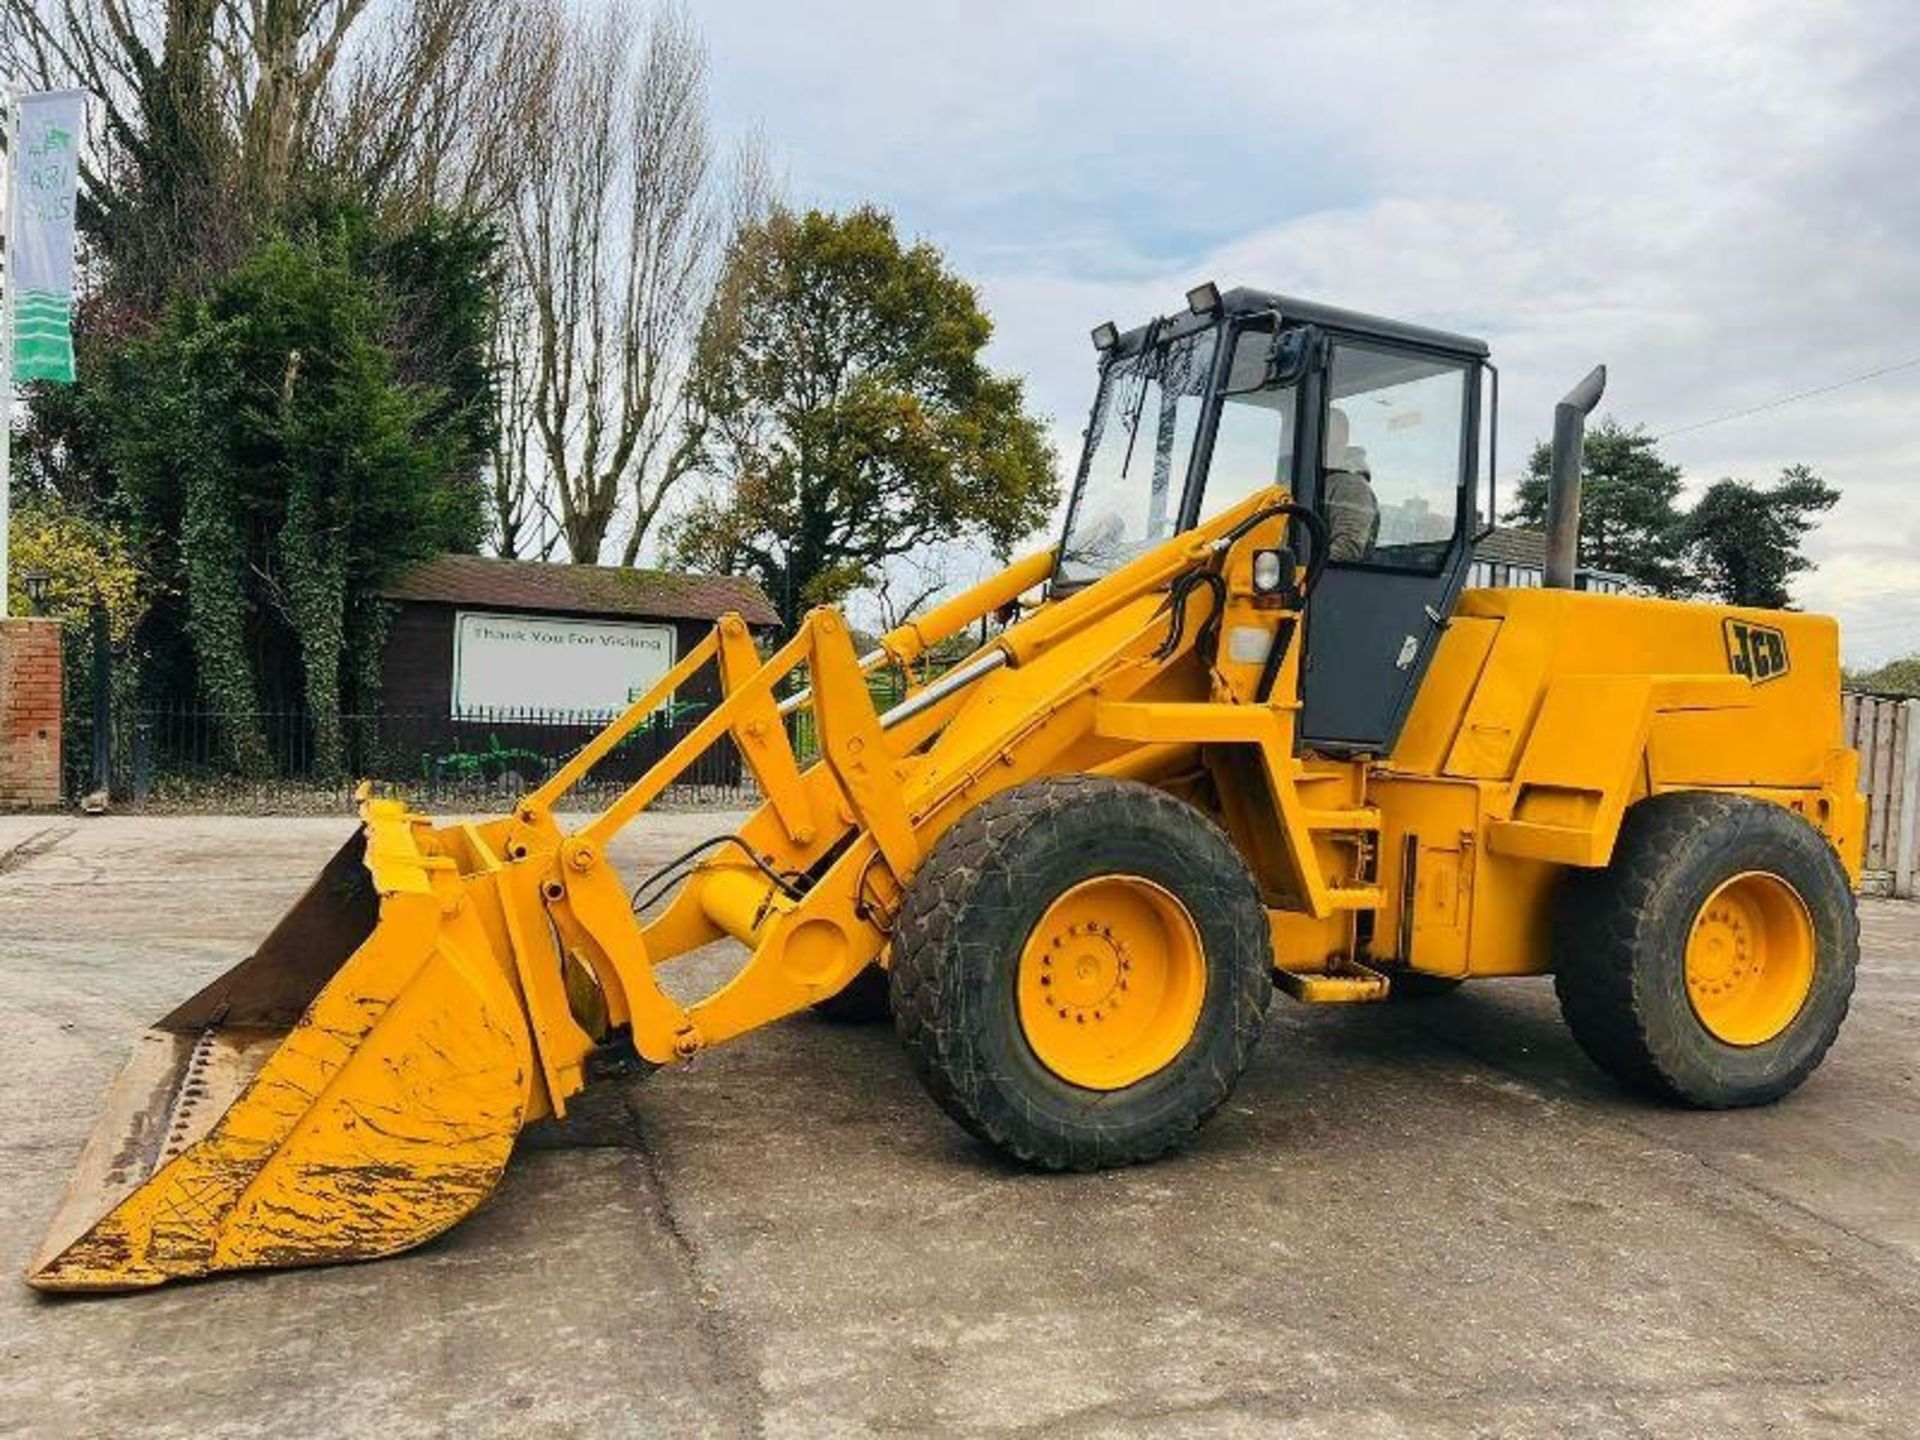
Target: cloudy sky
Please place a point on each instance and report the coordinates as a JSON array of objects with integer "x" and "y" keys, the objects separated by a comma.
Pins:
[{"x": 1719, "y": 200}]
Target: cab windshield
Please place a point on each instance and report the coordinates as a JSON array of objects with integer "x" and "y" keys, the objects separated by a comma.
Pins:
[{"x": 1139, "y": 448}]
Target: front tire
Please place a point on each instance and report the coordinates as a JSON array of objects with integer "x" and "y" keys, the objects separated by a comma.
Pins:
[
  {"x": 1080, "y": 971},
  {"x": 1712, "y": 962}
]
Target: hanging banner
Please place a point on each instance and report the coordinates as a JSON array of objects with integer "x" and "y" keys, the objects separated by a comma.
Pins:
[{"x": 45, "y": 174}]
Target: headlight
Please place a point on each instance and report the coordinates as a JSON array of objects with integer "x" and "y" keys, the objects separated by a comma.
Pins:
[{"x": 1269, "y": 571}]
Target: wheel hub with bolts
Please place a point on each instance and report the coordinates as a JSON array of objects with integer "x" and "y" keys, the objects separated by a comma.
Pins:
[
  {"x": 1723, "y": 957},
  {"x": 1111, "y": 982},
  {"x": 1749, "y": 959},
  {"x": 1084, "y": 972}
]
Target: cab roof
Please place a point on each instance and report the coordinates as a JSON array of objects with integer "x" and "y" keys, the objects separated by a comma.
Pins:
[{"x": 1245, "y": 301}]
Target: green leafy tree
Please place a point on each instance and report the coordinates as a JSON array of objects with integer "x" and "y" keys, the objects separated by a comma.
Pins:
[
  {"x": 211, "y": 117},
  {"x": 1744, "y": 543},
  {"x": 1896, "y": 677},
  {"x": 276, "y": 468},
  {"x": 247, "y": 402},
  {"x": 85, "y": 563},
  {"x": 1630, "y": 522},
  {"x": 838, "y": 383}
]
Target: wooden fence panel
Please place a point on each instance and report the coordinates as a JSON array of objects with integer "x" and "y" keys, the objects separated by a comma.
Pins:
[
  {"x": 1884, "y": 730},
  {"x": 1880, "y": 784}
]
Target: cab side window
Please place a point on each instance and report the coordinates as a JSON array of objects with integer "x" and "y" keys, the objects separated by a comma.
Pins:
[
  {"x": 1253, "y": 443},
  {"x": 1392, "y": 458}
]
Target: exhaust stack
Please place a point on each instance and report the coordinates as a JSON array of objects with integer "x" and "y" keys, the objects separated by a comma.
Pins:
[{"x": 1563, "y": 493}]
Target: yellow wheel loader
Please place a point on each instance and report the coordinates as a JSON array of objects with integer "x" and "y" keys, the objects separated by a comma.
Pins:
[{"x": 1243, "y": 728}]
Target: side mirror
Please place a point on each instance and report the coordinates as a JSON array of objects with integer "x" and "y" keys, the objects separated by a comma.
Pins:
[{"x": 1290, "y": 355}]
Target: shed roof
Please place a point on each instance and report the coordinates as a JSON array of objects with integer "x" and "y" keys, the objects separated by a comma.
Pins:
[
  {"x": 481, "y": 580},
  {"x": 1513, "y": 545},
  {"x": 1526, "y": 547}
]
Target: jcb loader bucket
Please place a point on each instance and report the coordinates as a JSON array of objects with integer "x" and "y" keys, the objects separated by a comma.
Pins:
[{"x": 351, "y": 1089}]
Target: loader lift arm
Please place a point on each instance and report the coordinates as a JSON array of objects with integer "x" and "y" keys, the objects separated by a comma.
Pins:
[{"x": 851, "y": 829}]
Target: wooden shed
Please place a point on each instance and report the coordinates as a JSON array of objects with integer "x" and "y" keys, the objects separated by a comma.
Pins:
[{"x": 476, "y": 636}]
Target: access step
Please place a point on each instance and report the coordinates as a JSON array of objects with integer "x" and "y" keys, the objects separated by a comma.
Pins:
[
  {"x": 1350, "y": 984},
  {"x": 1356, "y": 897}
]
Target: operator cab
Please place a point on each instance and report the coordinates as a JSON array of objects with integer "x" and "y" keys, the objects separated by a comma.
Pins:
[{"x": 1372, "y": 423}]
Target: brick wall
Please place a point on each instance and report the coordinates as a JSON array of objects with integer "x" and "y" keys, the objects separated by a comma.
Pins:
[{"x": 29, "y": 713}]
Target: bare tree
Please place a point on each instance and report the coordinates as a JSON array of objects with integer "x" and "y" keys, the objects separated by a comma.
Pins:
[
  {"x": 260, "y": 71},
  {"x": 436, "y": 103},
  {"x": 216, "y": 108},
  {"x": 588, "y": 137},
  {"x": 520, "y": 514},
  {"x": 163, "y": 114},
  {"x": 616, "y": 237},
  {"x": 901, "y": 588},
  {"x": 231, "y": 100}
]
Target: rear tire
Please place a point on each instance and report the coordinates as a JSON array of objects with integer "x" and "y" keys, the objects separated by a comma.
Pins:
[
  {"x": 1712, "y": 962},
  {"x": 1136, "y": 1036}
]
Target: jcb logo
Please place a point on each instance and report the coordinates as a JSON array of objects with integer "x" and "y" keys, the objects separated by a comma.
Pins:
[{"x": 1758, "y": 652}]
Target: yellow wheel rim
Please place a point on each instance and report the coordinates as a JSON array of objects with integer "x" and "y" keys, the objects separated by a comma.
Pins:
[
  {"x": 1750, "y": 959},
  {"x": 1111, "y": 982}
]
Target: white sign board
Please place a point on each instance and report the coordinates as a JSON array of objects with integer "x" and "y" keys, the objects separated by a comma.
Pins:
[{"x": 550, "y": 665}]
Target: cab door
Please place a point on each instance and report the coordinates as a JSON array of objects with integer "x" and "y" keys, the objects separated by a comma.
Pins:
[{"x": 1398, "y": 422}]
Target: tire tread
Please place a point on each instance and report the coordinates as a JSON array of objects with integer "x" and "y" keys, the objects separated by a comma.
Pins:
[
  {"x": 1602, "y": 929},
  {"x": 924, "y": 950}
]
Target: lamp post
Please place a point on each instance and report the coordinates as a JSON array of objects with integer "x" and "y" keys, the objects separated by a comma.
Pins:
[{"x": 34, "y": 582}]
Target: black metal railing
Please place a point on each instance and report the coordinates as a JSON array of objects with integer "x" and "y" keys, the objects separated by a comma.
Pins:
[
  {"x": 192, "y": 758},
  {"x": 184, "y": 758}
]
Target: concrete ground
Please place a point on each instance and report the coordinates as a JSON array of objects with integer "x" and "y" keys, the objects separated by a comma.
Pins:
[{"x": 1431, "y": 1219}]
